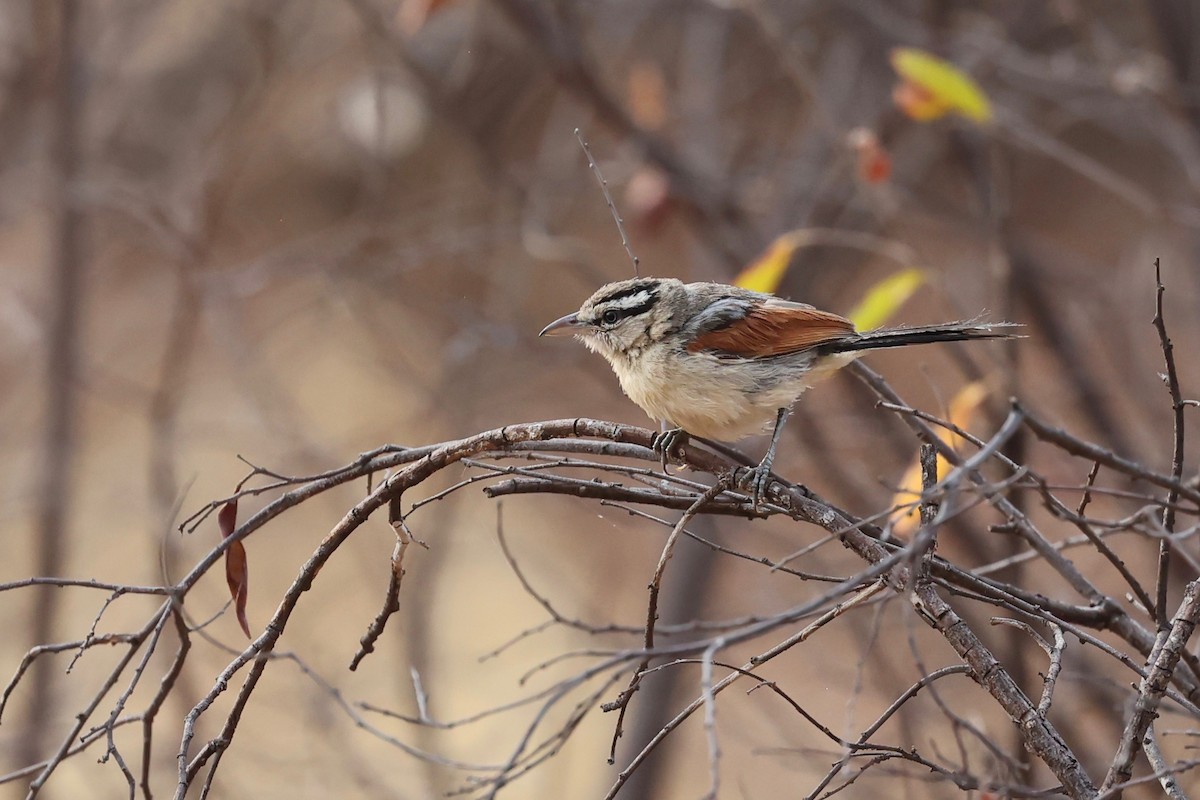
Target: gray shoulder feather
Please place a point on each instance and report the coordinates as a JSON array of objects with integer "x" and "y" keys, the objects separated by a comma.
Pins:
[{"x": 719, "y": 314}]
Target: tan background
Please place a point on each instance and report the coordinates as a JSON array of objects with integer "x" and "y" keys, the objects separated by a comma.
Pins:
[{"x": 271, "y": 268}]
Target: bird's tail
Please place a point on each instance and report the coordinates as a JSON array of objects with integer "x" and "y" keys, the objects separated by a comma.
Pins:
[{"x": 924, "y": 334}]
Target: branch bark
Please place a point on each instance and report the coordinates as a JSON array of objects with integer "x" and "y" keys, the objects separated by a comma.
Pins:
[{"x": 1152, "y": 688}]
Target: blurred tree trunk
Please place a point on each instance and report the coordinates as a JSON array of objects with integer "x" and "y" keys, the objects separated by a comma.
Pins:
[{"x": 62, "y": 367}]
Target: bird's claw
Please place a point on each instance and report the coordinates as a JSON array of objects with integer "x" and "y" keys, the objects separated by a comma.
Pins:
[
  {"x": 756, "y": 480},
  {"x": 668, "y": 443}
]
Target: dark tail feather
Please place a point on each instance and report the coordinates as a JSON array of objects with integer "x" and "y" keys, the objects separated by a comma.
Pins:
[{"x": 925, "y": 334}]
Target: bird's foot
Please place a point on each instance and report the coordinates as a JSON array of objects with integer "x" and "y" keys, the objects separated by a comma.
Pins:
[
  {"x": 756, "y": 480},
  {"x": 668, "y": 443}
]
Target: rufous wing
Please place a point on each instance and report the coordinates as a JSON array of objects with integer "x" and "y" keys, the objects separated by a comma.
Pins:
[{"x": 774, "y": 329}]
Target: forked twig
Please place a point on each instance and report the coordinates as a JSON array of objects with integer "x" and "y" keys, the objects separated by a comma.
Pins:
[{"x": 1173, "y": 636}]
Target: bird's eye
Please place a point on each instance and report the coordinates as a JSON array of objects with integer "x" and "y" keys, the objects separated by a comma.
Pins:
[{"x": 610, "y": 317}]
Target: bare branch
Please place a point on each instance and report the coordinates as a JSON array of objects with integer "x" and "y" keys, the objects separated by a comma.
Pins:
[
  {"x": 1168, "y": 517},
  {"x": 1094, "y": 452},
  {"x": 1152, "y": 687}
]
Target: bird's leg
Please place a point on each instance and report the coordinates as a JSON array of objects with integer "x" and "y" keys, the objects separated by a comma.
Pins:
[
  {"x": 668, "y": 441},
  {"x": 758, "y": 478}
]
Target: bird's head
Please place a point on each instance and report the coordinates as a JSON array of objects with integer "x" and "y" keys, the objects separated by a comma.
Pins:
[{"x": 622, "y": 318}]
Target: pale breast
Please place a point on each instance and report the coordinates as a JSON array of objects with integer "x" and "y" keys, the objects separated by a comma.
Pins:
[{"x": 711, "y": 397}]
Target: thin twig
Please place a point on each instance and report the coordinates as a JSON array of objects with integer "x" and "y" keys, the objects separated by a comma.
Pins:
[
  {"x": 622, "y": 701},
  {"x": 821, "y": 621},
  {"x": 1164, "y": 771},
  {"x": 1168, "y": 515},
  {"x": 1094, "y": 452},
  {"x": 1053, "y": 652},
  {"x": 587, "y": 151}
]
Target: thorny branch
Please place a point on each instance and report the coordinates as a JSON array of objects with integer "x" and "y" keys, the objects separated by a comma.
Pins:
[
  {"x": 411, "y": 470},
  {"x": 596, "y": 460},
  {"x": 586, "y": 460}
]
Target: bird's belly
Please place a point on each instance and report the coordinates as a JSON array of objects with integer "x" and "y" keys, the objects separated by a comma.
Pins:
[{"x": 713, "y": 398}]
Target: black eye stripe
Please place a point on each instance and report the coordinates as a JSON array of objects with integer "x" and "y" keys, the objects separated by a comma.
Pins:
[
  {"x": 638, "y": 309},
  {"x": 628, "y": 291},
  {"x": 623, "y": 313},
  {"x": 628, "y": 301}
]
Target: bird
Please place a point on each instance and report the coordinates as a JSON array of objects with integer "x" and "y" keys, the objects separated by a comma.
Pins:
[{"x": 722, "y": 362}]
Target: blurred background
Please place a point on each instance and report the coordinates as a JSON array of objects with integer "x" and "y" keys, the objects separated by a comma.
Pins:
[{"x": 295, "y": 230}]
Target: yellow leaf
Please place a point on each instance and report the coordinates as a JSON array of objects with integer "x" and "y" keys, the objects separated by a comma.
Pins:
[
  {"x": 964, "y": 405},
  {"x": 908, "y": 516},
  {"x": 767, "y": 271},
  {"x": 963, "y": 408},
  {"x": 882, "y": 299},
  {"x": 933, "y": 87}
]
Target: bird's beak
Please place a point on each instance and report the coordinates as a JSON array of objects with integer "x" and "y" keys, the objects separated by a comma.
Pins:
[{"x": 563, "y": 326}]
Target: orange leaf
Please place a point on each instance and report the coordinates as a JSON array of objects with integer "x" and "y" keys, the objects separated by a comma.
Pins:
[
  {"x": 647, "y": 95},
  {"x": 917, "y": 102},
  {"x": 963, "y": 408},
  {"x": 237, "y": 569},
  {"x": 931, "y": 87}
]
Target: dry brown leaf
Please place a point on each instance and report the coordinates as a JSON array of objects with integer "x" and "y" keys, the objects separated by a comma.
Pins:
[{"x": 237, "y": 568}]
